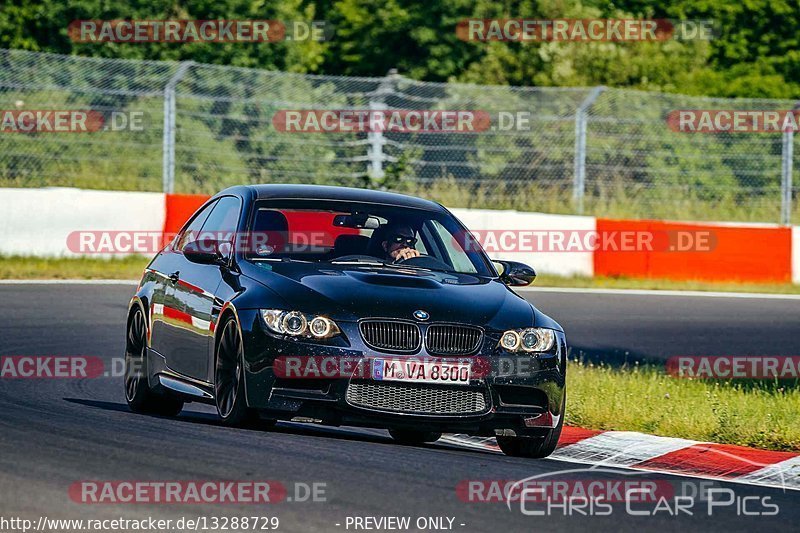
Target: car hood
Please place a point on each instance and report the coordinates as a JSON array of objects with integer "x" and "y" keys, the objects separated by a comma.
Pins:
[{"x": 351, "y": 292}]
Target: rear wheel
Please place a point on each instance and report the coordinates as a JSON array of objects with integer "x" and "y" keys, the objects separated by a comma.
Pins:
[
  {"x": 410, "y": 436},
  {"x": 229, "y": 378},
  {"x": 138, "y": 394},
  {"x": 532, "y": 447}
]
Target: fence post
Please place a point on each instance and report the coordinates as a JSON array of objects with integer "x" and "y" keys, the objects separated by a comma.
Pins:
[
  {"x": 579, "y": 170},
  {"x": 376, "y": 141},
  {"x": 787, "y": 155},
  {"x": 168, "y": 143}
]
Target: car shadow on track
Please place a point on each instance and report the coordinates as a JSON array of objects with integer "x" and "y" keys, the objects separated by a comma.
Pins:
[{"x": 292, "y": 428}]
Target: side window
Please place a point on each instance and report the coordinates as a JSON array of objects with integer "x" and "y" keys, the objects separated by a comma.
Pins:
[
  {"x": 223, "y": 222},
  {"x": 193, "y": 229}
]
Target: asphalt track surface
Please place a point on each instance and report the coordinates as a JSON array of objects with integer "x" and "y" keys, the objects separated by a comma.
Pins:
[{"x": 56, "y": 432}]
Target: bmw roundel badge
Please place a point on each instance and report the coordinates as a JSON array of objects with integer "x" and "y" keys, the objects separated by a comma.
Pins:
[{"x": 419, "y": 314}]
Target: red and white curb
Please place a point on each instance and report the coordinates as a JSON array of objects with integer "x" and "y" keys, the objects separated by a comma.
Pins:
[{"x": 639, "y": 451}]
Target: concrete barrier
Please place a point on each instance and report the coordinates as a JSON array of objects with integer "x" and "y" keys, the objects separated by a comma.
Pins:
[
  {"x": 39, "y": 222},
  {"x": 549, "y": 261}
]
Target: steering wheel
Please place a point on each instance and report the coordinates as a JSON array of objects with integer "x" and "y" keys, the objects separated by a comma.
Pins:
[
  {"x": 425, "y": 261},
  {"x": 406, "y": 260}
]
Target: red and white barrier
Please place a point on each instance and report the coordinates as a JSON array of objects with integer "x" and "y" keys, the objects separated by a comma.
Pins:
[
  {"x": 41, "y": 222},
  {"x": 639, "y": 451}
]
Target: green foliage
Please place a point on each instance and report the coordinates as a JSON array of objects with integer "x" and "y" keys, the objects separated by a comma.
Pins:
[
  {"x": 755, "y": 52},
  {"x": 635, "y": 166},
  {"x": 41, "y": 25}
]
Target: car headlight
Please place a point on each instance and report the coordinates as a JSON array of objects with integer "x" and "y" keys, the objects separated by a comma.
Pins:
[
  {"x": 528, "y": 340},
  {"x": 297, "y": 324}
]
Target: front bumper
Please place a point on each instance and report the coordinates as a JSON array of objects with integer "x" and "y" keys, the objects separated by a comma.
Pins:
[{"x": 521, "y": 393}]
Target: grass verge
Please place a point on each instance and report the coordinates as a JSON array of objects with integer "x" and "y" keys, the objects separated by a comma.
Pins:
[
  {"x": 18, "y": 267},
  {"x": 547, "y": 280},
  {"x": 759, "y": 414}
]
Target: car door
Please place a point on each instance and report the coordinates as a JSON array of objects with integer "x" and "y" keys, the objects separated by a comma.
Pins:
[
  {"x": 194, "y": 292},
  {"x": 167, "y": 318}
]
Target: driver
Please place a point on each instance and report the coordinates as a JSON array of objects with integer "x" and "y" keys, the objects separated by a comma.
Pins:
[{"x": 399, "y": 243}]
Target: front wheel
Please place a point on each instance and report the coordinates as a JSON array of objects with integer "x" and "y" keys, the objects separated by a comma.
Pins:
[
  {"x": 229, "y": 378},
  {"x": 532, "y": 447},
  {"x": 138, "y": 394},
  {"x": 413, "y": 437}
]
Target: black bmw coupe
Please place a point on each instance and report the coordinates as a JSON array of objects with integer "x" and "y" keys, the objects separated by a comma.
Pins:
[{"x": 344, "y": 307}]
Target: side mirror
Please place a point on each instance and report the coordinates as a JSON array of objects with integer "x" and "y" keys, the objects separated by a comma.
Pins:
[
  {"x": 204, "y": 252},
  {"x": 515, "y": 274}
]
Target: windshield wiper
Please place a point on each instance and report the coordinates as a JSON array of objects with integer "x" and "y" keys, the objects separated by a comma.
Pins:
[
  {"x": 280, "y": 260},
  {"x": 373, "y": 262},
  {"x": 425, "y": 268}
]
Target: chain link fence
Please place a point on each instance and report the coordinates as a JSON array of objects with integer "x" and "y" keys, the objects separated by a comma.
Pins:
[{"x": 201, "y": 128}]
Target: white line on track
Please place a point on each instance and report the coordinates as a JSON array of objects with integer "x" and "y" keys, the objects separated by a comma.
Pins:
[
  {"x": 655, "y": 292},
  {"x": 565, "y": 290},
  {"x": 69, "y": 281}
]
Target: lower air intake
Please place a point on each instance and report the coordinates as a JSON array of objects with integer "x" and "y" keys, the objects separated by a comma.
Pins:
[{"x": 417, "y": 399}]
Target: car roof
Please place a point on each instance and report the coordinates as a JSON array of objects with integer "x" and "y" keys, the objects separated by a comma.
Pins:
[{"x": 327, "y": 192}]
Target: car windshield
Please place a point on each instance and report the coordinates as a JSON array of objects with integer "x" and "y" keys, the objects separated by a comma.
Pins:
[{"x": 337, "y": 232}]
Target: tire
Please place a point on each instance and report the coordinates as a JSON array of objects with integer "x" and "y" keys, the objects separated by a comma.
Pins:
[
  {"x": 138, "y": 394},
  {"x": 413, "y": 437},
  {"x": 229, "y": 395},
  {"x": 532, "y": 447}
]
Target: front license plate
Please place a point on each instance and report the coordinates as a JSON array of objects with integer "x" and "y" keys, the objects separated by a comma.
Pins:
[{"x": 416, "y": 371}]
